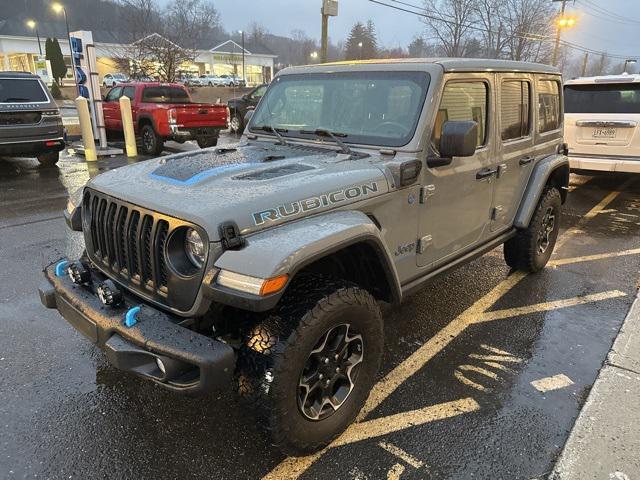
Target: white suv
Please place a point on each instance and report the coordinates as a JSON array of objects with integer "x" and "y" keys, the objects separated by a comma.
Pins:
[{"x": 602, "y": 118}]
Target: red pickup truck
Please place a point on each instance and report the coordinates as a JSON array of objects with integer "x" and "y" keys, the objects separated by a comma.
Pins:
[{"x": 165, "y": 111}]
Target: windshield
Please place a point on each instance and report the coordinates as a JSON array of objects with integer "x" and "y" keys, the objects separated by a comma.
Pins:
[
  {"x": 370, "y": 108},
  {"x": 165, "y": 95},
  {"x": 603, "y": 98},
  {"x": 21, "y": 90}
]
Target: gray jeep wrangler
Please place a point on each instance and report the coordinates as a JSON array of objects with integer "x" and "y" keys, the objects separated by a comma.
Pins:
[{"x": 263, "y": 265}]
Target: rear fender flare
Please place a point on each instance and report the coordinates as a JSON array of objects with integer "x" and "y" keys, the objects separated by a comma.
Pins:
[{"x": 539, "y": 179}]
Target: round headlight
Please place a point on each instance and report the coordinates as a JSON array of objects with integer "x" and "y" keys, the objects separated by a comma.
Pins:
[{"x": 194, "y": 246}]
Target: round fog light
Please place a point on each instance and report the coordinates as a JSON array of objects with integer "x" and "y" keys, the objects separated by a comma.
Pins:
[{"x": 161, "y": 366}]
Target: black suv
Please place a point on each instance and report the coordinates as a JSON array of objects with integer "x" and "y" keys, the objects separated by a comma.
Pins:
[
  {"x": 30, "y": 122},
  {"x": 238, "y": 107}
]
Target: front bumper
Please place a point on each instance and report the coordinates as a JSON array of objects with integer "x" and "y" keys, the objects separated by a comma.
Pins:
[{"x": 193, "y": 363}]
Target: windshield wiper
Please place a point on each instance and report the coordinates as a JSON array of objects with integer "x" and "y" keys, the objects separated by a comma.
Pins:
[
  {"x": 323, "y": 132},
  {"x": 275, "y": 131}
]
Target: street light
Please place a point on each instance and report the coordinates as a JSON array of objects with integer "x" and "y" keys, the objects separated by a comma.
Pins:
[
  {"x": 314, "y": 55},
  {"x": 360, "y": 47},
  {"x": 244, "y": 76},
  {"x": 34, "y": 26},
  {"x": 59, "y": 8}
]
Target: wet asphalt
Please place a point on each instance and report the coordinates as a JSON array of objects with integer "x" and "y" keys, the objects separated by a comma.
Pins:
[{"x": 66, "y": 413}]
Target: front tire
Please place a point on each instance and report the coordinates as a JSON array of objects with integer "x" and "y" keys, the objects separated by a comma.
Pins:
[
  {"x": 206, "y": 142},
  {"x": 531, "y": 248},
  {"x": 49, "y": 159},
  {"x": 151, "y": 142},
  {"x": 236, "y": 125},
  {"x": 310, "y": 366}
]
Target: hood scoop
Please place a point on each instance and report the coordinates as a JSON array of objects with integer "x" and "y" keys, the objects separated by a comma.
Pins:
[
  {"x": 194, "y": 167},
  {"x": 276, "y": 172}
]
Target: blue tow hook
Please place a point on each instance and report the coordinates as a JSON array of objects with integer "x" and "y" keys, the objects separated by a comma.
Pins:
[
  {"x": 61, "y": 267},
  {"x": 130, "y": 317}
]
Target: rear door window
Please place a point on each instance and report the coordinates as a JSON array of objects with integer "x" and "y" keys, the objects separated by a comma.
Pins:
[
  {"x": 21, "y": 90},
  {"x": 548, "y": 105},
  {"x": 515, "y": 99},
  {"x": 602, "y": 98},
  {"x": 129, "y": 92}
]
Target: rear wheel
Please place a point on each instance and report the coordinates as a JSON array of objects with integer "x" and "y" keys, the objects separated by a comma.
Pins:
[
  {"x": 206, "y": 142},
  {"x": 236, "y": 124},
  {"x": 49, "y": 159},
  {"x": 151, "y": 142},
  {"x": 531, "y": 248},
  {"x": 310, "y": 366}
]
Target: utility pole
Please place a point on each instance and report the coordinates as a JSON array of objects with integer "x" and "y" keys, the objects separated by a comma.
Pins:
[
  {"x": 584, "y": 64},
  {"x": 554, "y": 61},
  {"x": 329, "y": 9}
]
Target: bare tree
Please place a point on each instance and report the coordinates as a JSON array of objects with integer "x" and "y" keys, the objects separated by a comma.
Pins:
[
  {"x": 494, "y": 35},
  {"x": 529, "y": 28},
  {"x": 451, "y": 24}
]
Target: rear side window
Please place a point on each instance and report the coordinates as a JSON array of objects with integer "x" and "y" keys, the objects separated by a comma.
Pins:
[
  {"x": 548, "y": 105},
  {"x": 515, "y": 99},
  {"x": 463, "y": 101},
  {"x": 129, "y": 92},
  {"x": 165, "y": 95},
  {"x": 21, "y": 90},
  {"x": 602, "y": 98}
]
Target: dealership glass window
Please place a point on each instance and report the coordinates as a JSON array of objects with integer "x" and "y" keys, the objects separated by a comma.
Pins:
[
  {"x": 463, "y": 101},
  {"x": 515, "y": 98},
  {"x": 548, "y": 105}
]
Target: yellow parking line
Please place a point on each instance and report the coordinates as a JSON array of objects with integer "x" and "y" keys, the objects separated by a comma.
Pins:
[
  {"x": 480, "y": 370},
  {"x": 495, "y": 358},
  {"x": 395, "y": 472},
  {"x": 293, "y": 467},
  {"x": 398, "y": 452},
  {"x": 546, "y": 306},
  {"x": 591, "y": 258},
  {"x": 467, "y": 381}
]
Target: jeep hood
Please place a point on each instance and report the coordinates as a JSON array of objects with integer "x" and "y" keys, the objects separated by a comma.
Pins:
[{"x": 256, "y": 185}]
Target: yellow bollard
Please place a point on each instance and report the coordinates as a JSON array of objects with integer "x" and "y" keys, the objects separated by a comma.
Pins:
[
  {"x": 127, "y": 126},
  {"x": 87, "y": 131}
]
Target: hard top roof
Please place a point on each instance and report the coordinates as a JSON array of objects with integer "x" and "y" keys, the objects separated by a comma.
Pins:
[
  {"x": 9, "y": 74},
  {"x": 448, "y": 64}
]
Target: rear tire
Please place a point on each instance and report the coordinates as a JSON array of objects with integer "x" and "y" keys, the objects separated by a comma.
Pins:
[
  {"x": 49, "y": 159},
  {"x": 236, "y": 125},
  {"x": 531, "y": 248},
  {"x": 206, "y": 142},
  {"x": 324, "y": 330},
  {"x": 151, "y": 142}
]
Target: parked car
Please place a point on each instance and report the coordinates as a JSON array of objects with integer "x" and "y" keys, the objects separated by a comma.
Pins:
[
  {"x": 30, "y": 122},
  {"x": 238, "y": 107},
  {"x": 186, "y": 79},
  {"x": 233, "y": 81},
  {"x": 209, "y": 80},
  {"x": 165, "y": 111},
  {"x": 113, "y": 79},
  {"x": 263, "y": 264},
  {"x": 602, "y": 123}
]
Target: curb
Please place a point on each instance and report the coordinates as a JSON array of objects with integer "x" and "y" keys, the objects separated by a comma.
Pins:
[{"x": 605, "y": 439}]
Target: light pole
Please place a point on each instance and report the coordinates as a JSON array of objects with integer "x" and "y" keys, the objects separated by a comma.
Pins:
[
  {"x": 34, "y": 26},
  {"x": 244, "y": 76},
  {"x": 561, "y": 22},
  {"x": 59, "y": 8}
]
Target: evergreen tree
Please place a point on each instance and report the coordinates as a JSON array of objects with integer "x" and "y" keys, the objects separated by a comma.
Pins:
[
  {"x": 53, "y": 53},
  {"x": 418, "y": 48},
  {"x": 362, "y": 43}
]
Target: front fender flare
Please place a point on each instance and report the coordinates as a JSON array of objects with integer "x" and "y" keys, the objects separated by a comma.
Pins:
[
  {"x": 289, "y": 248},
  {"x": 538, "y": 180}
]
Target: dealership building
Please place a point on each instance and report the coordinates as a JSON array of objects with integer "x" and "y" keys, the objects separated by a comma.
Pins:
[{"x": 19, "y": 50}]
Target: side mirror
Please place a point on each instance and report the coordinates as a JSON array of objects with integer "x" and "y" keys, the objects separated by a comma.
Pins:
[
  {"x": 247, "y": 116},
  {"x": 458, "y": 139}
]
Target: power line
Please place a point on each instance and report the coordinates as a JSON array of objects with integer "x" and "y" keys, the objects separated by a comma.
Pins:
[
  {"x": 532, "y": 37},
  {"x": 608, "y": 13}
]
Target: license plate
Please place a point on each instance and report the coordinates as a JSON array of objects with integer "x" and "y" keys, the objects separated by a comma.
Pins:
[{"x": 604, "y": 133}]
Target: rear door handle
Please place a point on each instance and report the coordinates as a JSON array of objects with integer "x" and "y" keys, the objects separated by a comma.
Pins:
[
  {"x": 485, "y": 173},
  {"x": 525, "y": 161}
]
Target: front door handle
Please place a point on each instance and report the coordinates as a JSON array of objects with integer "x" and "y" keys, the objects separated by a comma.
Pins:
[
  {"x": 525, "y": 161},
  {"x": 485, "y": 173}
]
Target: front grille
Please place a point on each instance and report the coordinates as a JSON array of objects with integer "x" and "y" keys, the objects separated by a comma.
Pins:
[
  {"x": 130, "y": 244},
  {"x": 20, "y": 118}
]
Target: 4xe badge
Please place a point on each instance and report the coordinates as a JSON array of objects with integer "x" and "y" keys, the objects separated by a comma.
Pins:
[{"x": 314, "y": 203}]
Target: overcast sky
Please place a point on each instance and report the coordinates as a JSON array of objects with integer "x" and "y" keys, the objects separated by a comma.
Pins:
[{"x": 398, "y": 28}]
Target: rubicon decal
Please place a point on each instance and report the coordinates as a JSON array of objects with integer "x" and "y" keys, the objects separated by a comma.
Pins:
[{"x": 313, "y": 203}]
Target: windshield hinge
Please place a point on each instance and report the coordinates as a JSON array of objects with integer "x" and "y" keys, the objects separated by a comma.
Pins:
[{"x": 231, "y": 237}]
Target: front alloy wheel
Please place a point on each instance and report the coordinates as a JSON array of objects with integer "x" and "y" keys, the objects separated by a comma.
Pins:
[
  {"x": 330, "y": 372},
  {"x": 546, "y": 230}
]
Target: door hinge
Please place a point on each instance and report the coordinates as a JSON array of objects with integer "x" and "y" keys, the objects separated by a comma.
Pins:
[
  {"x": 426, "y": 192},
  {"x": 424, "y": 243}
]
